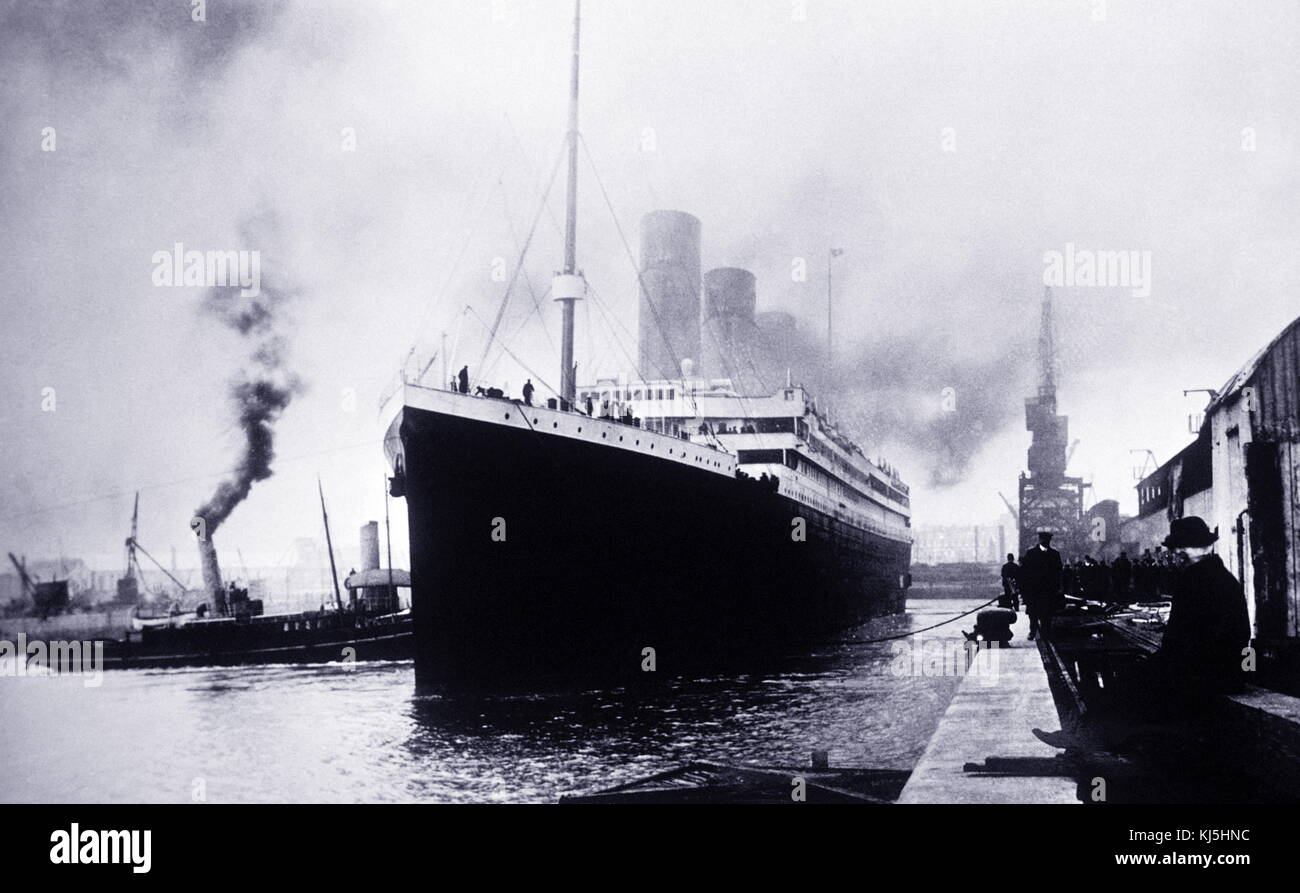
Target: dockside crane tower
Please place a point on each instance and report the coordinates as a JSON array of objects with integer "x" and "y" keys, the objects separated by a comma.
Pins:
[{"x": 1049, "y": 499}]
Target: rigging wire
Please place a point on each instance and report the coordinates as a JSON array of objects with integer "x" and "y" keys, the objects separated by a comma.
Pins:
[
  {"x": 455, "y": 266},
  {"x": 627, "y": 247},
  {"x": 505, "y": 298},
  {"x": 528, "y": 282},
  {"x": 513, "y": 355}
]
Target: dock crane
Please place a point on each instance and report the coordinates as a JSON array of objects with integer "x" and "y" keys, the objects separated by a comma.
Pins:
[
  {"x": 1015, "y": 516},
  {"x": 46, "y": 598},
  {"x": 29, "y": 585}
]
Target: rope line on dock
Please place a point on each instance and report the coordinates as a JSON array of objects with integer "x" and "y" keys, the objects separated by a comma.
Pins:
[{"x": 923, "y": 629}]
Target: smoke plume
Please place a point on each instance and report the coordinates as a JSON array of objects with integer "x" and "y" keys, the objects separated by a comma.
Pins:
[
  {"x": 259, "y": 393},
  {"x": 910, "y": 392},
  {"x": 916, "y": 392}
]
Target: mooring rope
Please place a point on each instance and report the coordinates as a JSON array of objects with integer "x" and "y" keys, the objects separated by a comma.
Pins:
[{"x": 919, "y": 631}]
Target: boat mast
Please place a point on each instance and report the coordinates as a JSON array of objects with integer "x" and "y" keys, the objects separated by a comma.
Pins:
[
  {"x": 388, "y": 535},
  {"x": 334, "y": 574},
  {"x": 569, "y": 286}
]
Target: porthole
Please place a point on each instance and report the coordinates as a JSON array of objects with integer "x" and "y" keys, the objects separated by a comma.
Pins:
[{"x": 507, "y": 415}]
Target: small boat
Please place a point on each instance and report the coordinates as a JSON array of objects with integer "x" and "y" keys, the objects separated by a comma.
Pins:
[
  {"x": 371, "y": 625},
  {"x": 302, "y": 637}
]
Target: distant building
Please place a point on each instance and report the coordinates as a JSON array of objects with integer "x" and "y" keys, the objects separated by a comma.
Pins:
[
  {"x": 1102, "y": 531},
  {"x": 954, "y": 544}
]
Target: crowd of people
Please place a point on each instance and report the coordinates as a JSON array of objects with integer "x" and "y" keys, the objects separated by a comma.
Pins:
[{"x": 1151, "y": 577}]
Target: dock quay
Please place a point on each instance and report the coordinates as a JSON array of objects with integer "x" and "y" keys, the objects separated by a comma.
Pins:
[
  {"x": 983, "y": 750},
  {"x": 1242, "y": 747}
]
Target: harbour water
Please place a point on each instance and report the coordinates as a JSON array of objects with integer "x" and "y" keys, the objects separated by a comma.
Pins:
[{"x": 327, "y": 733}]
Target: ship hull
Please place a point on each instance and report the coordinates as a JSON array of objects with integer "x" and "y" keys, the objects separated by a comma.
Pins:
[
  {"x": 300, "y": 638},
  {"x": 535, "y": 555}
]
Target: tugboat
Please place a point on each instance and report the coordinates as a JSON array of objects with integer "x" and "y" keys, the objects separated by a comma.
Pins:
[
  {"x": 248, "y": 636},
  {"x": 372, "y": 625}
]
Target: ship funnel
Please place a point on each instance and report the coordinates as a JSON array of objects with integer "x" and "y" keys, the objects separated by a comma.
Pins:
[
  {"x": 730, "y": 298},
  {"x": 730, "y": 293},
  {"x": 669, "y": 319},
  {"x": 212, "y": 574},
  {"x": 370, "y": 546}
]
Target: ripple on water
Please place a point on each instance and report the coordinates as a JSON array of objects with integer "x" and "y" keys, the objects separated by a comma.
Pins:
[{"x": 326, "y": 733}]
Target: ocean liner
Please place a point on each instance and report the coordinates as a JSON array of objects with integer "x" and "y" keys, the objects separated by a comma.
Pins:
[{"x": 668, "y": 520}]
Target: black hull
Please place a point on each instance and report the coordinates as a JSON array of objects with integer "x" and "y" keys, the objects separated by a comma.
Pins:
[
  {"x": 309, "y": 639},
  {"x": 608, "y": 552}
]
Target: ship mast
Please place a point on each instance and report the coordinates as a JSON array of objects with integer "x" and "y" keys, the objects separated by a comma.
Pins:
[
  {"x": 569, "y": 286},
  {"x": 329, "y": 544}
]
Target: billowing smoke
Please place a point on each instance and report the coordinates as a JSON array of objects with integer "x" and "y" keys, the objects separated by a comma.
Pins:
[
  {"x": 911, "y": 393},
  {"x": 259, "y": 393},
  {"x": 941, "y": 405}
]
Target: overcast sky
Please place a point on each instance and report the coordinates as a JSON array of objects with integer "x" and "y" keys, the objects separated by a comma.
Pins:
[{"x": 788, "y": 128}]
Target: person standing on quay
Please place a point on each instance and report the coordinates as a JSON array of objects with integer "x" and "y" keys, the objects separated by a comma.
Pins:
[
  {"x": 1040, "y": 584},
  {"x": 1010, "y": 584}
]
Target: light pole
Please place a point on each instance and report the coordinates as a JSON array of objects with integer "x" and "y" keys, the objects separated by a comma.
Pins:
[{"x": 830, "y": 258}]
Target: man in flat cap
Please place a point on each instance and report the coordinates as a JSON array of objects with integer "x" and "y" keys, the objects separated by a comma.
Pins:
[
  {"x": 1200, "y": 655},
  {"x": 1040, "y": 584}
]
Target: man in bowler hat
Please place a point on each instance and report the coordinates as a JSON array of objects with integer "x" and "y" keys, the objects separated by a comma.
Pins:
[{"x": 1209, "y": 625}]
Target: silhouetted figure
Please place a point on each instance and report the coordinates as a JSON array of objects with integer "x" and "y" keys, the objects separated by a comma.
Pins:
[
  {"x": 1093, "y": 580},
  {"x": 1146, "y": 577},
  {"x": 1010, "y": 584},
  {"x": 1121, "y": 573},
  {"x": 528, "y": 392},
  {"x": 589, "y": 405},
  {"x": 462, "y": 378},
  {"x": 1069, "y": 577},
  {"x": 1040, "y": 584}
]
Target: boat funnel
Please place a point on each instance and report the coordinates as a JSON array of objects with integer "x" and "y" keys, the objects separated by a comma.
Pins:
[{"x": 212, "y": 574}]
